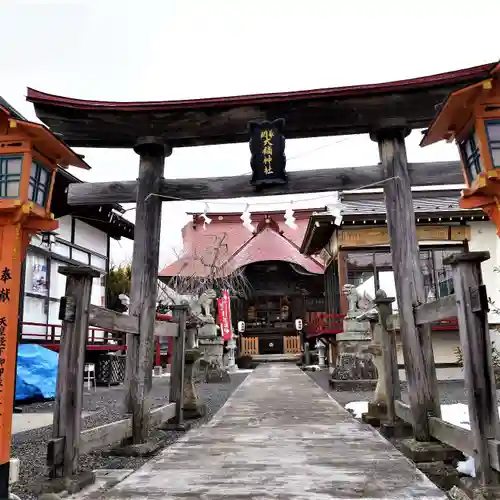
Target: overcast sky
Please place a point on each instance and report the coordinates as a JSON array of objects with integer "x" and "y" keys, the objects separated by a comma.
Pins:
[{"x": 181, "y": 49}]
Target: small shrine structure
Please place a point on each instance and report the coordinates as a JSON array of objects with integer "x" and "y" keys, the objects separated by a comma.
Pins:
[{"x": 259, "y": 261}]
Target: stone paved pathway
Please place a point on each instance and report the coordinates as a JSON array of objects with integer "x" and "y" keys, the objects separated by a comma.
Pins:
[{"x": 279, "y": 436}]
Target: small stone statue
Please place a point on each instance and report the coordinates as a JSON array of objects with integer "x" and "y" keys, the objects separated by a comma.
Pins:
[
  {"x": 201, "y": 306},
  {"x": 320, "y": 346},
  {"x": 350, "y": 292},
  {"x": 205, "y": 302}
]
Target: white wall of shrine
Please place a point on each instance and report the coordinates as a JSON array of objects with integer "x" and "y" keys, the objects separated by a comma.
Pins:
[
  {"x": 484, "y": 238},
  {"x": 76, "y": 243}
]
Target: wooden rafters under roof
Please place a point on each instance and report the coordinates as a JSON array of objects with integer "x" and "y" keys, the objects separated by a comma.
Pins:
[
  {"x": 451, "y": 119},
  {"x": 312, "y": 113},
  {"x": 42, "y": 139}
]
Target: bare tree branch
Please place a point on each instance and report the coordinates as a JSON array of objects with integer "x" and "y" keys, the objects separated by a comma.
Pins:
[{"x": 213, "y": 259}]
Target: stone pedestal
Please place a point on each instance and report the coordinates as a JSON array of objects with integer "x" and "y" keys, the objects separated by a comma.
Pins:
[
  {"x": 213, "y": 365},
  {"x": 191, "y": 405},
  {"x": 230, "y": 361},
  {"x": 321, "y": 354},
  {"x": 208, "y": 331},
  {"x": 354, "y": 367},
  {"x": 212, "y": 350}
]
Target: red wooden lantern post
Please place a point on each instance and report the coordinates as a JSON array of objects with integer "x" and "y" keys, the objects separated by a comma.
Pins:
[
  {"x": 29, "y": 157},
  {"x": 471, "y": 117}
]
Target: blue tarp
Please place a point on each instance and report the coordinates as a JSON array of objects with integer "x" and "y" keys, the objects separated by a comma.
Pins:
[{"x": 36, "y": 372}]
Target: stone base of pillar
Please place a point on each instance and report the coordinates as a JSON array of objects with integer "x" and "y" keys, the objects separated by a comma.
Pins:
[
  {"x": 192, "y": 405},
  {"x": 468, "y": 489},
  {"x": 376, "y": 413},
  {"x": 432, "y": 451},
  {"x": 396, "y": 429},
  {"x": 354, "y": 368}
]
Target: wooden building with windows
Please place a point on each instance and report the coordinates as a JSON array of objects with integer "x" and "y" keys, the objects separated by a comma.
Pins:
[
  {"x": 280, "y": 284},
  {"x": 83, "y": 238},
  {"x": 358, "y": 253}
]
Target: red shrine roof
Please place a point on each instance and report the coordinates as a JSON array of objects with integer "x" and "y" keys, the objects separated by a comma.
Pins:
[
  {"x": 352, "y": 109},
  {"x": 227, "y": 245}
]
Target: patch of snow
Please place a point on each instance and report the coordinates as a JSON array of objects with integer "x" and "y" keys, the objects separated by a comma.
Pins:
[
  {"x": 467, "y": 467},
  {"x": 357, "y": 408},
  {"x": 312, "y": 368}
]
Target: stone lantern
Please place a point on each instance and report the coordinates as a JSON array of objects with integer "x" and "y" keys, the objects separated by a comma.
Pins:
[
  {"x": 471, "y": 117},
  {"x": 29, "y": 157}
]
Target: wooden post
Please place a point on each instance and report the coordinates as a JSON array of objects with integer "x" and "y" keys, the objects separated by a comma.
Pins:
[
  {"x": 157, "y": 353},
  {"x": 472, "y": 309},
  {"x": 177, "y": 372},
  {"x": 69, "y": 389},
  {"x": 173, "y": 369},
  {"x": 410, "y": 292},
  {"x": 389, "y": 355},
  {"x": 139, "y": 378}
]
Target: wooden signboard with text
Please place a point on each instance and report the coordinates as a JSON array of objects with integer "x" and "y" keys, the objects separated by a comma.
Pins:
[{"x": 380, "y": 235}]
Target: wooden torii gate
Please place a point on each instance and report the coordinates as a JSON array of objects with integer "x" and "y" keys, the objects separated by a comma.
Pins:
[
  {"x": 153, "y": 129},
  {"x": 394, "y": 174}
]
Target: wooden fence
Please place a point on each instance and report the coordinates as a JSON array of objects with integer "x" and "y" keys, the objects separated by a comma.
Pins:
[
  {"x": 76, "y": 313},
  {"x": 470, "y": 305},
  {"x": 249, "y": 345},
  {"x": 293, "y": 344}
]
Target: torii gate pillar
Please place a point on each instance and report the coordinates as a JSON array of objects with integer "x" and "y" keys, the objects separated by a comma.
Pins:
[
  {"x": 139, "y": 376},
  {"x": 410, "y": 291}
]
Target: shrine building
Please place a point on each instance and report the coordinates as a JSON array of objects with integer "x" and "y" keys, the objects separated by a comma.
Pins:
[
  {"x": 276, "y": 283},
  {"x": 358, "y": 253}
]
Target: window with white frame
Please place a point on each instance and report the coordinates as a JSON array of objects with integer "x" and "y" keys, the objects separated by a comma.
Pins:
[
  {"x": 471, "y": 157},
  {"x": 493, "y": 133},
  {"x": 38, "y": 190},
  {"x": 10, "y": 176}
]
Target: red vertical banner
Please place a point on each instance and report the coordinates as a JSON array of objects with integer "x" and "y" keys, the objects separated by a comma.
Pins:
[{"x": 224, "y": 307}]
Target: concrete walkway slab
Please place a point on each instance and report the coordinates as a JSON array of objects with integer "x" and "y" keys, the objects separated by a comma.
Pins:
[{"x": 279, "y": 436}]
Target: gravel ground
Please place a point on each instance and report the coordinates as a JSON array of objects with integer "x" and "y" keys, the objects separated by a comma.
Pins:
[
  {"x": 107, "y": 403},
  {"x": 450, "y": 391}
]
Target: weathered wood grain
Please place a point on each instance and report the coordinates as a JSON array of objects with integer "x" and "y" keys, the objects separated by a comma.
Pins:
[
  {"x": 105, "y": 435},
  {"x": 152, "y": 153},
  {"x": 437, "y": 310},
  {"x": 166, "y": 329},
  {"x": 403, "y": 411},
  {"x": 389, "y": 356},
  {"x": 462, "y": 439},
  {"x": 69, "y": 388},
  {"x": 177, "y": 378},
  {"x": 115, "y": 432},
  {"x": 112, "y": 320},
  {"x": 162, "y": 414},
  {"x": 417, "y": 343},
  {"x": 122, "y": 323},
  {"x": 306, "y": 181},
  {"x": 477, "y": 357},
  {"x": 452, "y": 435}
]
